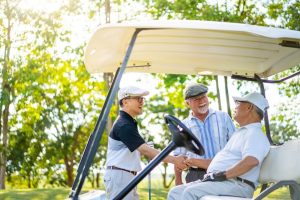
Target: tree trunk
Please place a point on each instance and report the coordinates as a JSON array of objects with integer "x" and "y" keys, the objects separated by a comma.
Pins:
[
  {"x": 5, "y": 98},
  {"x": 107, "y": 11},
  {"x": 98, "y": 179},
  {"x": 28, "y": 180},
  {"x": 69, "y": 168},
  {"x": 3, "y": 155}
]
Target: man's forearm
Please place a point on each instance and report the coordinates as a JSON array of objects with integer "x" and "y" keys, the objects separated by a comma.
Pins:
[
  {"x": 196, "y": 162},
  {"x": 242, "y": 167},
  {"x": 178, "y": 178},
  {"x": 203, "y": 163}
]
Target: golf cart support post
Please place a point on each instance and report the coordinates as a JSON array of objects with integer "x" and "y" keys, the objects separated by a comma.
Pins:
[
  {"x": 94, "y": 140},
  {"x": 184, "y": 47}
]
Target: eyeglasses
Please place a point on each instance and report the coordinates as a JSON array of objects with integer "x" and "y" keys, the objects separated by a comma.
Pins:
[{"x": 139, "y": 99}]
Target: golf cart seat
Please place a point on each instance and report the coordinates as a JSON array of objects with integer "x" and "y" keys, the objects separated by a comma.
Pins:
[{"x": 280, "y": 167}]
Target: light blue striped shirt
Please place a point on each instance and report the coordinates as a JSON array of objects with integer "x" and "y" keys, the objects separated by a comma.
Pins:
[{"x": 213, "y": 133}]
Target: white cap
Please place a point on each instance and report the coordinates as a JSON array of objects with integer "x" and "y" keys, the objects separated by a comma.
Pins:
[
  {"x": 255, "y": 98},
  {"x": 131, "y": 91}
]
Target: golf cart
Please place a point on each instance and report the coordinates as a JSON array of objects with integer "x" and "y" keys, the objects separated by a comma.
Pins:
[{"x": 240, "y": 51}]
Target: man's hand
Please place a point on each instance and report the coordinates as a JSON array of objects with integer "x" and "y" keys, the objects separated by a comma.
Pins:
[
  {"x": 179, "y": 162},
  {"x": 217, "y": 176},
  {"x": 190, "y": 162}
]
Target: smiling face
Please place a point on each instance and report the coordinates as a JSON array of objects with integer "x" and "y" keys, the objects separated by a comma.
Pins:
[
  {"x": 133, "y": 105},
  {"x": 199, "y": 104}
]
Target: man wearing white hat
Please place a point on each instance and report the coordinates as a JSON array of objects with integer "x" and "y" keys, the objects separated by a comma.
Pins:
[
  {"x": 125, "y": 145},
  {"x": 234, "y": 170}
]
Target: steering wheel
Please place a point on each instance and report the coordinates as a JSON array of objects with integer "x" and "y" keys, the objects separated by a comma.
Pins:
[{"x": 182, "y": 136}]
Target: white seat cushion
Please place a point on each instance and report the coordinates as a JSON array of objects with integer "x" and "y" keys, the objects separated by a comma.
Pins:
[{"x": 282, "y": 163}]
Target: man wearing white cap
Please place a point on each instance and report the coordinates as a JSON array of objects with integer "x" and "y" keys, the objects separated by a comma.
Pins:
[
  {"x": 234, "y": 170},
  {"x": 125, "y": 145}
]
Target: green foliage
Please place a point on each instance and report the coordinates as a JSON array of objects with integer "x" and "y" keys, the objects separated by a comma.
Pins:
[
  {"x": 285, "y": 125},
  {"x": 286, "y": 13},
  {"x": 64, "y": 103},
  {"x": 55, "y": 102},
  {"x": 242, "y": 11}
]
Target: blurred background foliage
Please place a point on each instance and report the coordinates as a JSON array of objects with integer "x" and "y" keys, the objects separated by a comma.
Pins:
[{"x": 49, "y": 102}]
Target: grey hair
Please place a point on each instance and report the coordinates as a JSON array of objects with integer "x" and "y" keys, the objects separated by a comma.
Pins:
[
  {"x": 121, "y": 103},
  {"x": 259, "y": 112}
]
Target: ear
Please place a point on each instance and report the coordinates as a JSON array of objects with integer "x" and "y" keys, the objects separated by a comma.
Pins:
[
  {"x": 124, "y": 102},
  {"x": 187, "y": 103},
  {"x": 250, "y": 107}
]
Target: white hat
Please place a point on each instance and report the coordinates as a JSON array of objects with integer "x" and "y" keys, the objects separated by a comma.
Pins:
[
  {"x": 131, "y": 91},
  {"x": 255, "y": 98}
]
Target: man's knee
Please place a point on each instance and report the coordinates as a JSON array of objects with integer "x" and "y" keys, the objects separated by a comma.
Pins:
[
  {"x": 192, "y": 193},
  {"x": 188, "y": 193},
  {"x": 175, "y": 193}
]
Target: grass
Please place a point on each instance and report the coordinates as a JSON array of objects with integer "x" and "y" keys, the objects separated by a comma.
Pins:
[
  {"x": 34, "y": 194},
  {"x": 157, "y": 193}
]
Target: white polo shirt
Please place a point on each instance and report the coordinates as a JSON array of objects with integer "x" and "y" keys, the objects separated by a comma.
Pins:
[{"x": 248, "y": 140}]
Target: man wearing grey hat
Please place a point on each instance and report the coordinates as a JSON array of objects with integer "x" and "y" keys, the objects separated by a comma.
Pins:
[
  {"x": 213, "y": 128},
  {"x": 235, "y": 169},
  {"x": 125, "y": 145}
]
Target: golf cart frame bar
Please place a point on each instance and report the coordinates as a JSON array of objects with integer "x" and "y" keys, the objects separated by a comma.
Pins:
[{"x": 95, "y": 138}]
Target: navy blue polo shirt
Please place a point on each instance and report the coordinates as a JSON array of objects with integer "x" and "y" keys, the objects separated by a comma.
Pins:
[{"x": 125, "y": 129}]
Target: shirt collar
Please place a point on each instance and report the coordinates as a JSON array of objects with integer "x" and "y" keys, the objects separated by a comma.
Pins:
[
  {"x": 127, "y": 116},
  {"x": 253, "y": 125}
]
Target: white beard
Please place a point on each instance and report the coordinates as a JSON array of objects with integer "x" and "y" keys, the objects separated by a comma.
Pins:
[{"x": 203, "y": 110}]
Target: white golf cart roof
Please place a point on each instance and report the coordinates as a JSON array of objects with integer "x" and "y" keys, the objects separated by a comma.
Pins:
[{"x": 194, "y": 47}]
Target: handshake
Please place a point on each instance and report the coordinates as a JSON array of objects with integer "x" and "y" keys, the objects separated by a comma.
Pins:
[
  {"x": 183, "y": 162},
  {"x": 179, "y": 162}
]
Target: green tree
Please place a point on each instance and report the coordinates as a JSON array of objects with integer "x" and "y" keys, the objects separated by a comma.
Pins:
[
  {"x": 241, "y": 11},
  {"x": 34, "y": 82},
  {"x": 285, "y": 124},
  {"x": 18, "y": 27}
]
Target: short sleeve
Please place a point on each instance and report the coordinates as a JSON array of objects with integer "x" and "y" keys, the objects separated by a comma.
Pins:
[
  {"x": 256, "y": 145},
  {"x": 130, "y": 136}
]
